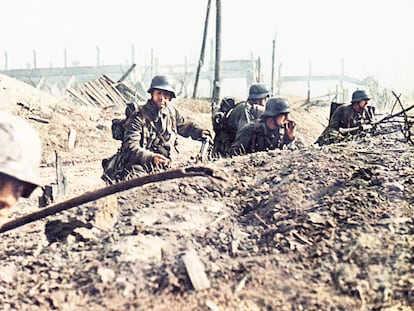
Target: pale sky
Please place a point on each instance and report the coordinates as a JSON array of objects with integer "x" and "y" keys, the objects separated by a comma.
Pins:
[{"x": 375, "y": 38}]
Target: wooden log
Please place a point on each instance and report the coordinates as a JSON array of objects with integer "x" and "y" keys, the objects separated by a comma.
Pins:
[{"x": 108, "y": 190}]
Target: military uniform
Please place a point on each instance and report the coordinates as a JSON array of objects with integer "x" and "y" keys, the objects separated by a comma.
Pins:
[
  {"x": 255, "y": 137},
  {"x": 237, "y": 118},
  {"x": 149, "y": 134},
  {"x": 150, "y": 131},
  {"x": 242, "y": 114},
  {"x": 346, "y": 117}
]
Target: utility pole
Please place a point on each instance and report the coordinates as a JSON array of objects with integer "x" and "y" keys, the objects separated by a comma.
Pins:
[
  {"x": 279, "y": 79},
  {"x": 152, "y": 64},
  {"x": 341, "y": 81},
  {"x": 65, "y": 58},
  {"x": 132, "y": 54},
  {"x": 34, "y": 59},
  {"x": 98, "y": 56},
  {"x": 272, "y": 83},
  {"x": 6, "y": 61},
  {"x": 203, "y": 46},
  {"x": 216, "y": 90},
  {"x": 309, "y": 81},
  {"x": 259, "y": 70}
]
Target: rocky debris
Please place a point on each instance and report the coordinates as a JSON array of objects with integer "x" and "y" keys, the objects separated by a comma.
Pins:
[
  {"x": 317, "y": 228},
  {"x": 320, "y": 228}
]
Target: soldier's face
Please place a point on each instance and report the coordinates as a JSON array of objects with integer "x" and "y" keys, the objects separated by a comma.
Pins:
[
  {"x": 282, "y": 119},
  {"x": 8, "y": 198},
  {"x": 271, "y": 123},
  {"x": 360, "y": 106},
  {"x": 160, "y": 98},
  {"x": 259, "y": 102}
]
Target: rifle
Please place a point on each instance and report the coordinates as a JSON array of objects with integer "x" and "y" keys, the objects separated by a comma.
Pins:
[
  {"x": 387, "y": 124},
  {"x": 356, "y": 129},
  {"x": 374, "y": 129}
]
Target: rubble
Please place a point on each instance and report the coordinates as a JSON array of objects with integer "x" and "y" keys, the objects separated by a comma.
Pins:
[{"x": 320, "y": 228}]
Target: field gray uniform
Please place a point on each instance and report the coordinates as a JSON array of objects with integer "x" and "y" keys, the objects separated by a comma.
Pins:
[
  {"x": 149, "y": 131},
  {"x": 238, "y": 117},
  {"x": 344, "y": 117},
  {"x": 242, "y": 114},
  {"x": 256, "y": 136}
]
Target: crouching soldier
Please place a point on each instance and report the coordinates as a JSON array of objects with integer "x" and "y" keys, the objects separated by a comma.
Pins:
[
  {"x": 350, "y": 116},
  {"x": 150, "y": 136},
  {"x": 273, "y": 131},
  {"x": 20, "y": 156},
  {"x": 240, "y": 115}
]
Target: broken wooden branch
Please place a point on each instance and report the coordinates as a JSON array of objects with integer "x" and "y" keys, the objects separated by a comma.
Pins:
[
  {"x": 99, "y": 193},
  {"x": 407, "y": 124},
  {"x": 39, "y": 119}
]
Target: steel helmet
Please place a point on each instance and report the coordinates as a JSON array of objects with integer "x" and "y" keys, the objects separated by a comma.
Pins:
[
  {"x": 258, "y": 91},
  {"x": 359, "y": 95},
  {"x": 21, "y": 151},
  {"x": 162, "y": 82},
  {"x": 275, "y": 107}
]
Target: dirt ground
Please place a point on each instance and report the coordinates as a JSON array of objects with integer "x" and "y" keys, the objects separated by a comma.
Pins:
[{"x": 319, "y": 228}]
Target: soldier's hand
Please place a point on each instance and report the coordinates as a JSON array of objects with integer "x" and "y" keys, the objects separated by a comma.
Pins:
[
  {"x": 159, "y": 159},
  {"x": 205, "y": 133},
  {"x": 290, "y": 129}
]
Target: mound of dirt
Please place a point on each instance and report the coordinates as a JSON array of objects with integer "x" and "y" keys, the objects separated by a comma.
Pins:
[{"x": 313, "y": 229}]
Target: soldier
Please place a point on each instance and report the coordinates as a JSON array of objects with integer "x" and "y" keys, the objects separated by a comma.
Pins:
[
  {"x": 272, "y": 131},
  {"x": 347, "y": 116},
  {"x": 239, "y": 116},
  {"x": 150, "y": 136},
  {"x": 19, "y": 161}
]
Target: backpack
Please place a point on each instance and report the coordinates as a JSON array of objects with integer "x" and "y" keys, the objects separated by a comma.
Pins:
[
  {"x": 118, "y": 125},
  {"x": 219, "y": 119},
  {"x": 220, "y": 126}
]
